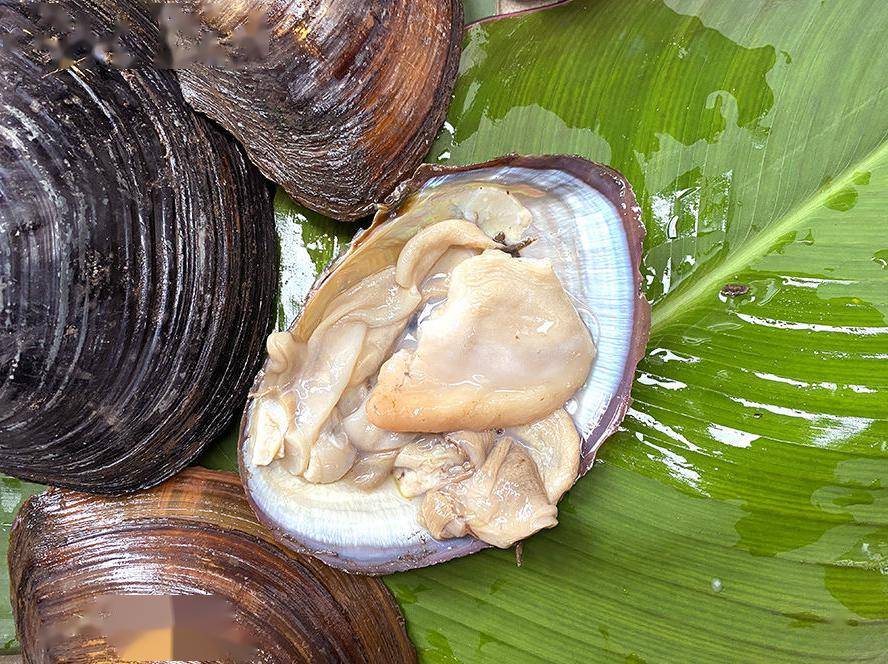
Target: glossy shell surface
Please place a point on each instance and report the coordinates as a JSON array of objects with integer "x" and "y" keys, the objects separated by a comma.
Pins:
[
  {"x": 137, "y": 258},
  {"x": 193, "y": 536},
  {"x": 340, "y": 99}
]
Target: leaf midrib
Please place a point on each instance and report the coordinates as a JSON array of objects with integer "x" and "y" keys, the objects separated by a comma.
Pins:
[{"x": 682, "y": 299}]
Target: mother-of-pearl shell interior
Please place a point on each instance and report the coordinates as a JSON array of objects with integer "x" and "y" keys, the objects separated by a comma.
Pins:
[{"x": 581, "y": 232}]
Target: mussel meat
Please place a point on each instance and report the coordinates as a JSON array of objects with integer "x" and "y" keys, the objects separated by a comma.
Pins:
[
  {"x": 335, "y": 100},
  {"x": 453, "y": 372},
  {"x": 137, "y": 255},
  {"x": 185, "y": 572}
]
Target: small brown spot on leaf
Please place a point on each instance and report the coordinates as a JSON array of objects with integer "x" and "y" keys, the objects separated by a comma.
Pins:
[{"x": 734, "y": 290}]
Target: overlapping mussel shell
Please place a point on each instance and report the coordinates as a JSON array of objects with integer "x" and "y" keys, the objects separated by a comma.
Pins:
[
  {"x": 336, "y": 100},
  {"x": 137, "y": 256},
  {"x": 587, "y": 223},
  {"x": 193, "y": 535}
]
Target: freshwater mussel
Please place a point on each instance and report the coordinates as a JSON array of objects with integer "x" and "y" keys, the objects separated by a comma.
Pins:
[
  {"x": 137, "y": 256},
  {"x": 452, "y": 374},
  {"x": 185, "y": 572},
  {"x": 336, "y": 100}
]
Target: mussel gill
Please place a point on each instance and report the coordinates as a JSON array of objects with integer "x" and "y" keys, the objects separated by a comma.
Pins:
[
  {"x": 137, "y": 255},
  {"x": 336, "y": 100},
  {"x": 452, "y": 374},
  {"x": 104, "y": 579}
]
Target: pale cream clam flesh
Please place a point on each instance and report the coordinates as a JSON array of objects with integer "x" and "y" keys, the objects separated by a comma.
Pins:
[{"x": 452, "y": 374}]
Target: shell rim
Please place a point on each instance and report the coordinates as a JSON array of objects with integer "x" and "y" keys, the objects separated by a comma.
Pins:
[{"x": 437, "y": 114}]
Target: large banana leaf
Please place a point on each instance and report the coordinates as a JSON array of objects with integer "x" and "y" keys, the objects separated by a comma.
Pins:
[{"x": 742, "y": 512}]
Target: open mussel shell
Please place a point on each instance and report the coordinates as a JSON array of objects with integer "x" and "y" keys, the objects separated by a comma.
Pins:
[
  {"x": 193, "y": 543},
  {"x": 585, "y": 220},
  {"x": 137, "y": 256},
  {"x": 335, "y": 100}
]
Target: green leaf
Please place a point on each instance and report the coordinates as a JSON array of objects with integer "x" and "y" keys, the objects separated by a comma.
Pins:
[
  {"x": 742, "y": 512},
  {"x": 13, "y": 493},
  {"x": 475, "y": 10}
]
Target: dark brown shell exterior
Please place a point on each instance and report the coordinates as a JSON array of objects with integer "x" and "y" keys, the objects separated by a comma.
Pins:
[
  {"x": 347, "y": 100},
  {"x": 137, "y": 260},
  {"x": 194, "y": 534}
]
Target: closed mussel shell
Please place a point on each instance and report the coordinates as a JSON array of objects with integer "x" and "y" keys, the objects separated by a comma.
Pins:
[
  {"x": 197, "y": 561},
  {"x": 137, "y": 256},
  {"x": 336, "y": 100}
]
